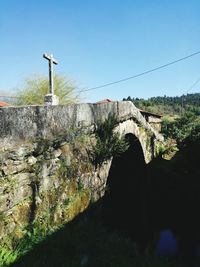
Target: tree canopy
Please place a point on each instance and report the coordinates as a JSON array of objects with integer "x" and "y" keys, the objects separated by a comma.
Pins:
[
  {"x": 183, "y": 129},
  {"x": 37, "y": 87},
  {"x": 169, "y": 105}
]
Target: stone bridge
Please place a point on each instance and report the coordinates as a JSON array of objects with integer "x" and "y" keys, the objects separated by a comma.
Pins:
[
  {"x": 46, "y": 175},
  {"x": 28, "y": 123}
]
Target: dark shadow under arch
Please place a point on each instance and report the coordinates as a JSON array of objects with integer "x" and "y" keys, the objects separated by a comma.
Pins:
[{"x": 125, "y": 201}]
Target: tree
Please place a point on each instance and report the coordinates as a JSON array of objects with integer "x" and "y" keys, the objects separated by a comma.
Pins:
[
  {"x": 36, "y": 88},
  {"x": 183, "y": 129}
]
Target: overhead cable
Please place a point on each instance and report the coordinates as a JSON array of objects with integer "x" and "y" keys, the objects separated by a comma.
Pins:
[{"x": 140, "y": 74}]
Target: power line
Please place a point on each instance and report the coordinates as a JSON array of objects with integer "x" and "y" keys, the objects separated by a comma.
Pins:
[
  {"x": 140, "y": 74},
  {"x": 193, "y": 85},
  {"x": 190, "y": 88}
]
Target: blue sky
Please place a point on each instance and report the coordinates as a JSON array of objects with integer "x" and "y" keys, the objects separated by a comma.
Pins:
[{"x": 97, "y": 42}]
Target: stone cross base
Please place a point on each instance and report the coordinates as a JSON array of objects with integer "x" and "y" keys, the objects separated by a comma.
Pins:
[{"x": 51, "y": 100}]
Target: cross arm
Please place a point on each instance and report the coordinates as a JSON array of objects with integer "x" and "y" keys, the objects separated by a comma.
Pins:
[{"x": 50, "y": 58}]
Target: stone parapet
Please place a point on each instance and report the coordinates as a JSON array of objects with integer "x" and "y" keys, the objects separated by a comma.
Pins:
[{"x": 26, "y": 123}]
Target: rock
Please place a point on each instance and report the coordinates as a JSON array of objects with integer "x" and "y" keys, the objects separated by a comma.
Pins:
[
  {"x": 11, "y": 167},
  {"x": 31, "y": 160},
  {"x": 19, "y": 153},
  {"x": 56, "y": 153}
]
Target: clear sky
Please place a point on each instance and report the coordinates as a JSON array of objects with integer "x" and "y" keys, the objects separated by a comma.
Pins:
[{"x": 100, "y": 41}]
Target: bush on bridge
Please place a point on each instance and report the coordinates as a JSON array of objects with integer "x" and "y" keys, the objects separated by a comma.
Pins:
[{"x": 108, "y": 142}]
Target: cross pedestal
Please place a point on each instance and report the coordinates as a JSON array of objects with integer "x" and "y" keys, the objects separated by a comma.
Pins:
[{"x": 51, "y": 98}]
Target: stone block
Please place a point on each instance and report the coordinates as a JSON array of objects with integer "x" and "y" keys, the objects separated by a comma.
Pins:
[{"x": 51, "y": 100}]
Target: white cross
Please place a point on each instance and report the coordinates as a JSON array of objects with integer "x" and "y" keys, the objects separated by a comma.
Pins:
[{"x": 51, "y": 62}]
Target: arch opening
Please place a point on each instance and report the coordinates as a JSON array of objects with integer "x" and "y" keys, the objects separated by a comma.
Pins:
[{"x": 125, "y": 201}]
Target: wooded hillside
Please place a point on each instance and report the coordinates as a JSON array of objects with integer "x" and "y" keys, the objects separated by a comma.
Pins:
[{"x": 166, "y": 105}]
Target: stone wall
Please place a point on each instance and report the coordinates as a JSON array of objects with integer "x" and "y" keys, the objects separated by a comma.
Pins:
[
  {"x": 46, "y": 174},
  {"x": 30, "y": 122},
  {"x": 45, "y": 183},
  {"x": 155, "y": 123}
]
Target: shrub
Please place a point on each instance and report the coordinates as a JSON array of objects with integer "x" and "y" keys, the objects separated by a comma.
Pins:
[
  {"x": 108, "y": 143},
  {"x": 37, "y": 87}
]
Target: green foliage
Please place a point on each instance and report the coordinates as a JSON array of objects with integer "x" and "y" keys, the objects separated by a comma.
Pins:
[
  {"x": 168, "y": 149},
  {"x": 182, "y": 128},
  {"x": 108, "y": 142},
  {"x": 32, "y": 237},
  {"x": 7, "y": 257},
  {"x": 36, "y": 88},
  {"x": 68, "y": 170},
  {"x": 194, "y": 136},
  {"x": 169, "y": 105},
  {"x": 40, "y": 230},
  {"x": 181, "y": 117}
]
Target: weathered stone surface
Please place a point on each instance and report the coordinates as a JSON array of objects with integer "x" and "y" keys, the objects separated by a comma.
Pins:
[
  {"x": 30, "y": 122},
  {"x": 56, "y": 153},
  {"x": 31, "y": 160},
  {"x": 10, "y": 167},
  {"x": 15, "y": 189},
  {"x": 46, "y": 176}
]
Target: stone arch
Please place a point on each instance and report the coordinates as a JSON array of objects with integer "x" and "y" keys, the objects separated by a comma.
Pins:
[
  {"x": 125, "y": 198},
  {"x": 143, "y": 135}
]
